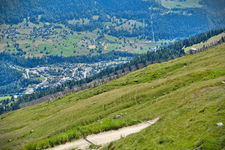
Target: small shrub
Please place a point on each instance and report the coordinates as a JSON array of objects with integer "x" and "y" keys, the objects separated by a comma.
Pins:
[
  {"x": 31, "y": 146},
  {"x": 163, "y": 140},
  {"x": 94, "y": 146}
]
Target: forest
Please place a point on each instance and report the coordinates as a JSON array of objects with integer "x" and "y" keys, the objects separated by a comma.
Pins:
[{"x": 48, "y": 60}]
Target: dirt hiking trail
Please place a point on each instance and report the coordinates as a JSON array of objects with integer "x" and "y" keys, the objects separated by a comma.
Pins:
[{"x": 105, "y": 138}]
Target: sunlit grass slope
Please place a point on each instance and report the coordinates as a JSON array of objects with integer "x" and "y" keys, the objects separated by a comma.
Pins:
[
  {"x": 187, "y": 93},
  {"x": 212, "y": 40},
  {"x": 181, "y": 4}
]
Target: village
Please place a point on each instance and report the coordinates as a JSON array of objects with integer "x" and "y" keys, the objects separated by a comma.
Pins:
[{"x": 57, "y": 74}]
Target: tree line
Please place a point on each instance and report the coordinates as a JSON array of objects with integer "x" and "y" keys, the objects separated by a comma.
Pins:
[{"x": 49, "y": 60}]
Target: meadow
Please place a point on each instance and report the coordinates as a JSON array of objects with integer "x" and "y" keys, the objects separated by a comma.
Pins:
[
  {"x": 36, "y": 40},
  {"x": 5, "y": 97},
  {"x": 211, "y": 40},
  {"x": 182, "y": 4}
]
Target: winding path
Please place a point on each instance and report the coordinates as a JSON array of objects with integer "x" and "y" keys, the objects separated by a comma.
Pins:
[{"x": 105, "y": 138}]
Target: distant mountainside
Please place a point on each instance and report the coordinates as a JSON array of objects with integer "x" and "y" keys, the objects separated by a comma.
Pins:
[{"x": 169, "y": 19}]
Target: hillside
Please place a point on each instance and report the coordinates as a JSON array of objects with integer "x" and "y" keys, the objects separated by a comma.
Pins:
[
  {"x": 187, "y": 93},
  {"x": 210, "y": 41}
]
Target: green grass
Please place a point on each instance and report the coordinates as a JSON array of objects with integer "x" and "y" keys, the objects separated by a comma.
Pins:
[
  {"x": 189, "y": 120},
  {"x": 5, "y": 97},
  {"x": 181, "y": 4},
  {"x": 69, "y": 42},
  {"x": 187, "y": 93},
  {"x": 213, "y": 39}
]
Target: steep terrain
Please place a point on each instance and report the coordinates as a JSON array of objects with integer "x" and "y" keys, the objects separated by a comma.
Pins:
[{"x": 187, "y": 94}]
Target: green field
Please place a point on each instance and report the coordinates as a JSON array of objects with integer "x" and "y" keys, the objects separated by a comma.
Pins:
[
  {"x": 41, "y": 39},
  {"x": 5, "y": 97},
  {"x": 186, "y": 93},
  {"x": 213, "y": 39},
  {"x": 181, "y": 4}
]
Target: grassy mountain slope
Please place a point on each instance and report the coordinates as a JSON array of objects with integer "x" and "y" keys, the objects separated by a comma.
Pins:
[
  {"x": 187, "y": 93},
  {"x": 212, "y": 40}
]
